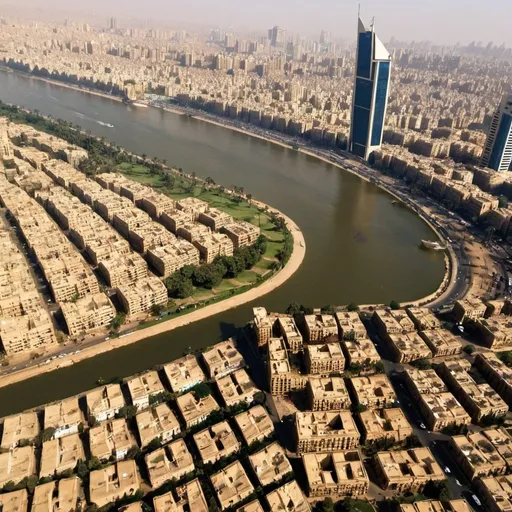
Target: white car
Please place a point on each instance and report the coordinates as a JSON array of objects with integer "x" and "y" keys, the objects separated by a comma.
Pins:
[
  {"x": 422, "y": 425},
  {"x": 458, "y": 483},
  {"x": 476, "y": 500},
  {"x": 447, "y": 470}
]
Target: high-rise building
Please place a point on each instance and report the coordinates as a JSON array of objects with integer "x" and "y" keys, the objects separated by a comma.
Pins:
[
  {"x": 498, "y": 148},
  {"x": 277, "y": 36},
  {"x": 113, "y": 23},
  {"x": 371, "y": 88}
]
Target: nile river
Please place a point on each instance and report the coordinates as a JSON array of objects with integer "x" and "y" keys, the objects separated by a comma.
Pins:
[{"x": 360, "y": 247}]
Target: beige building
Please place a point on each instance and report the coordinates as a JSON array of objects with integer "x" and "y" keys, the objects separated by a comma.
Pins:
[
  {"x": 374, "y": 391},
  {"x": 335, "y": 474},
  {"x": 325, "y": 431},
  {"x": 390, "y": 322},
  {"x": 121, "y": 269},
  {"x": 263, "y": 325},
  {"x": 442, "y": 410},
  {"x": 495, "y": 332},
  {"x": 360, "y": 352},
  {"x": 437, "y": 506},
  {"x": 327, "y": 394},
  {"x": 192, "y": 205},
  {"x": 324, "y": 359},
  {"x": 496, "y": 492},
  {"x": 167, "y": 259},
  {"x": 104, "y": 403},
  {"x": 215, "y": 442},
  {"x": 88, "y": 313},
  {"x": 59, "y": 496},
  {"x": 441, "y": 342},
  {"x": 160, "y": 422},
  {"x": 407, "y": 347},
  {"x": 237, "y": 387},
  {"x": 143, "y": 387},
  {"x": 350, "y": 326},
  {"x": 190, "y": 497},
  {"x": 481, "y": 454},
  {"x": 142, "y": 295},
  {"x": 423, "y": 382},
  {"x": 111, "y": 439},
  {"x": 288, "y": 497},
  {"x": 423, "y": 318},
  {"x": 282, "y": 377},
  {"x": 60, "y": 455},
  {"x": 113, "y": 482},
  {"x": 389, "y": 424},
  {"x": 479, "y": 399},
  {"x": 212, "y": 245},
  {"x": 254, "y": 424},
  {"x": 16, "y": 501},
  {"x": 222, "y": 359},
  {"x": 215, "y": 219},
  {"x": 64, "y": 417},
  {"x": 195, "y": 410},
  {"x": 16, "y": 464},
  {"x": 252, "y": 506},
  {"x": 270, "y": 465},
  {"x": 407, "y": 470},
  {"x": 172, "y": 461},
  {"x": 469, "y": 309},
  {"x": 24, "y": 426},
  {"x": 289, "y": 331},
  {"x": 320, "y": 328},
  {"x": 497, "y": 374},
  {"x": 242, "y": 233},
  {"x": 231, "y": 485},
  {"x": 184, "y": 373}
]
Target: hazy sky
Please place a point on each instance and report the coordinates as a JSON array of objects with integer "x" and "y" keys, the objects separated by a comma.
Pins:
[{"x": 445, "y": 21}]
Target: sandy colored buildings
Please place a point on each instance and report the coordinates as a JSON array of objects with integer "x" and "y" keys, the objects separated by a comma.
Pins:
[
  {"x": 496, "y": 492},
  {"x": 195, "y": 410},
  {"x": 327, "y": 394},
  {"x": 111, "y": 439},
  {"x": 59, "y": 455},
  {"x": 104, "y": 403},
  {"x": 172, "y": 461},
  {"x": 64, "y": 417},
  {"x": 212, "y": 245},
  {"x": 184, "y": 373},
  {"x": 373, "y": 392},
  {"x": 407, "y": 470},
  {"x": 254, "y": 424},
  {"x": 231, "y": 485},
  {"x": 222, "y": 359},
  {"x": 436, "y": 506},
  {"x": 497, "y": 374},
  {"x": 288, "y": 497},
  {"x": 16, "y": 464},
  {"x": 142, "y": 295},
  {"x": 215, "y": 442},
  {"x": 88, "y": 313},
  {"x": 237, "y": 387},
  {"x": 407, "y": 347},
  {"x": 441, "y": 342},
  {"x": 469, "y": 309},
  {"x": 167, "y": 259},
  {"x": 350, "y": 326},
  {"x": 389, "y": 322},
  {"x": 143, "y": 387},
  {"x": 359, "y": 352},
  {"x": 324, "y": 359},
  {"x": 389, "y": 424},
  {"x": 16, "y": 501},
  {"x": 320, "y": 328},
  {"x": 423, "y": 382},
  {"x": 241, "y": 233},
  {"x": 266, "y": 325},
  {"x": 495, "y": 332},
  {"x": 270, "y": 464},
  {"x": 189, "y": 497},
  {"x": 289, "y": 331},
  {"x": 282, "y": 377},
  {"x": 335, "y": 474},
  {"x": 325, "y": 431},
  {"x": 24, "y": 426},
  {"x": 423, "y": 318},
  {"x": 478, "y": 398},
  {"x": 263, "y": 325},
  {"x": 113, "y": 482},
  {"x": 215, "y": 219},
  {"x": 160, "y": 422}
]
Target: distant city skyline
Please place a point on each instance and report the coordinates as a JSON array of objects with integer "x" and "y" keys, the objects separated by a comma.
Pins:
[{"x": 437, "y": 21}]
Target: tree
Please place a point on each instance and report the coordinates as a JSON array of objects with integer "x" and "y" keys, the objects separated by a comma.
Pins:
[
  {"x": 394, "y": 305},
  {"x": 469, "y": 349},
  {"x": 201, "y": 390},
  {"x": 169, "y": 180},
  {"x": 307, "y": 310},
  {"x": 293, "y": 309},
  {"x": 328, "y": 310},
  {"x": 437, "y": 490},
  {"x": 422, "y": 364},
  {"x": 502, "y": 201},
  {"x": 47, "y": 434},
  {"x": 118, "y": 321},
  {"x": 352, "y": 307},
  {"x": 81, "y": 469},
  {"x": 379, "y": 367},
  {"x": 94, "y": 463},
  {"x": 127, "y": 411},
  {"x": 327, "y": 505},
  {"x": 259, "y": 397},
  {"x": 133, "y": 452},
  {"x": 157, "y": 309},
  {"x": 179, "y": 286},
  {"x": 249, "y": 198},
  {"x": 506, "y": 357}
]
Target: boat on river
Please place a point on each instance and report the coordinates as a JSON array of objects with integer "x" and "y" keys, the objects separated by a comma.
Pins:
[{"x": 434, "y": 246}]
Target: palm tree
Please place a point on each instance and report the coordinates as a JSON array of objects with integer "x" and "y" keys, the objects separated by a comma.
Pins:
[
  {"x": 249, "y": 198},
  {"x": 144, "y": 156}
]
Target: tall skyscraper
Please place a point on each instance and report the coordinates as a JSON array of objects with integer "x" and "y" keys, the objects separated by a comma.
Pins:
[
  {"x": 113, "y": 23},
  {"x": 371, "y": 88},
  {"x": 498, "y": 147},
  {"x": 277, "y": 36}
]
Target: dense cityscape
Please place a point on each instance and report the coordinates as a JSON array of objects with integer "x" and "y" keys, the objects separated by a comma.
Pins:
[{"x": 348, "y": 407}]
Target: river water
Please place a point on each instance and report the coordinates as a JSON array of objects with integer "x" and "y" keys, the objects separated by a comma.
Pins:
[{"x": 360, "y": 247}]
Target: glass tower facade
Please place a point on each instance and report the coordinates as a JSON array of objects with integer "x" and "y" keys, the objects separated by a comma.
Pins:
[
  {"x": 371, "y": 88},
  {"x": 497, "y": 153}
]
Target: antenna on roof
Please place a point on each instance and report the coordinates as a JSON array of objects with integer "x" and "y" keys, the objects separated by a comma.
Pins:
[
  {"x": 372, "y": 26},
  {"x": 359, "y": 10}
]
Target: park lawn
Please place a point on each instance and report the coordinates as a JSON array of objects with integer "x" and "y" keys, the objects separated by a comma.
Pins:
[
  {"x": 272, "y": 249},
  {"x": 263, "y": 266},
  {"x": 140, "y": 173},
  {"x": 224, "y": 286},
  {"x": 246, "y": 277}
]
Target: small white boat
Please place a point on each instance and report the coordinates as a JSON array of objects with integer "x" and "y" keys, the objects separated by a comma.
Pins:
[{"x": 435, "y": 246}]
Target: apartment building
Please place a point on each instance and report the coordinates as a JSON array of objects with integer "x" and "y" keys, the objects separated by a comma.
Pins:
[
  {"x": 288, "y": 497},
  {"x": 111, "y": 439},
  {"x": 289, "y": 331},
  {"x": 270, "y": 464},
  {"x": 173, "y": 220},
  {"x": 496, "y": 332},
  {"x": 350, "y": 326},
  {"x": 237, "y": 387},
  {"x": 496, "y": 492},
  {"x": 254, "y": 424},
  {"x": 155, "y": 204},
  {"x": 113, "y": 482},
  {"x": 170, "y": 258},
  {"x": 320, "y": 328},
  {"x": 59, "y": 455},
  {"x": 189, "y": 497},
  {"x": 19, "y": 426},
  {"x": 223, "y": 359},
  {"x": 443, "y": 410},
  {"x": 104, "y": 403},
  {"x": 195, "y": 410},
  {"x": 193, "y": 231},
  {"x": 407, "y": 347},
  {"x": 241, "y": 233},
  {"x": 172, "y": 461},
  {"x": 184, "y": 373},
  {"x": 423, "y": 382},
  {"x": 64, "y": 417},
  {"x": 359, "y": 352},
  {"x": 212, "y": 245},
  {"x": 407, "y": 470},
  {"x": 441, "y": 342},
  {"x": 423, "y": 319},
  {"x": 192, "y": 205},
  {"x": 335, "y": 474},
  {"x": 215, "y": 219},
  {"x": 380, "y": 424},
  {"x": 231, "y": 485},
  {"x": 159, "y": 422},
  {"x": 324, "y": 359},
  {"x": 142, "y": 295},
  {"x": 469, "y": 309},
  {"x": 327, "y": 394},
  {"x": 497, "y": 374},
  {"x": 389, "y": 322},
  {"x": 16, "y": 501},
  {"x": 216, "y": 442},
  {"x": 437, "y": 506},
  {"x": 17, "y": 464},
  {"x": 282, "y": 377},
  {"x": 143, "y": 387},
  {"x": 60, "y": 495},
  {"x": 325, "y": 431},
  {"x": 263, "y": 325},
  {"x": 374, "y": 391}
]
